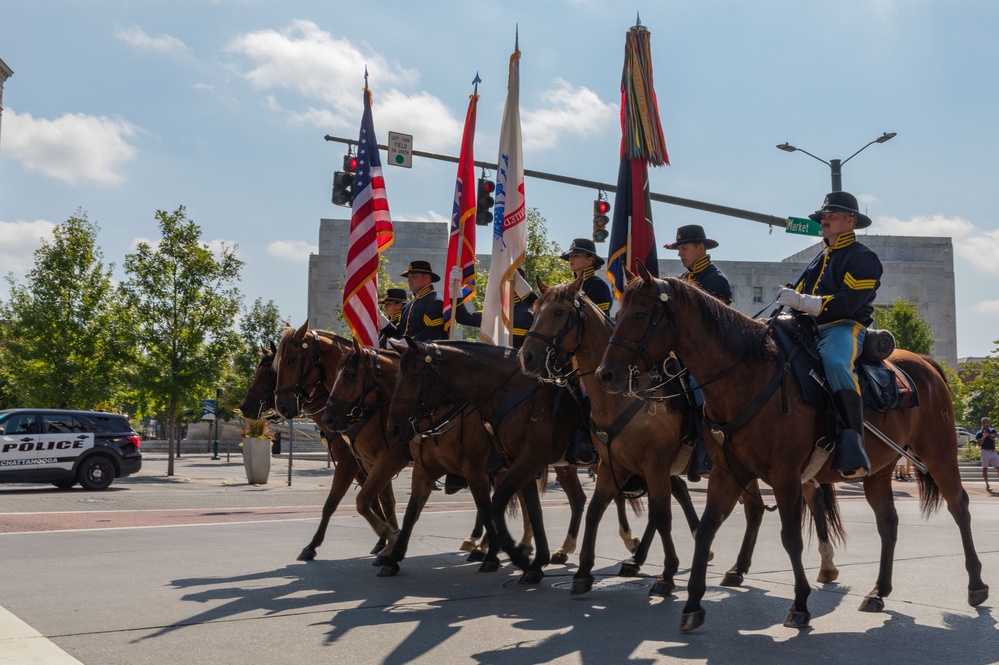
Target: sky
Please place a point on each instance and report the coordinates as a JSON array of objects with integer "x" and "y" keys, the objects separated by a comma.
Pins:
[{"x": 120, "y": 108}]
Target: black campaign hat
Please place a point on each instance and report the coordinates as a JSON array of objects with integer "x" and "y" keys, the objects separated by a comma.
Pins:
[
  {"x": 584, "y": 246},
  {"x": 842, "y": 202},
  {"x": 691, "y": 233},
  {"x": 395, "y": 295},
  {"x": 422, "y": 267}
]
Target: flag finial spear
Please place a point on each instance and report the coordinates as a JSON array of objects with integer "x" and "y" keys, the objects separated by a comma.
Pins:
[
  {"x": 638, "y": 18},
  {"x": 516, "y": 37},
  {"x": 476, "y": 81},
  {"x": 365, "y": 76}
]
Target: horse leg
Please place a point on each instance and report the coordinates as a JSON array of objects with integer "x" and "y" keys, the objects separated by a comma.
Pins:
[
  {"x": 723, "y": 493},
  {"x": 542, "y": 558},
  {"x": 422, "y": 485},
  {"x": 752, "y": 504},
  {"x": 468, "y": 544},
  {"x": 631, "y": 566},
  {"x": 380, "y": 476},
  {"x": 660, "y": 513},
  {"x": 568, "y": 480},
  {"x": 603, "y": 492},
  {"x": 343, "y": 476},
  {"x": 789, "y": 506},
  {"x": 877, "y": 491},
  {"x": 383, "y": 506},
  {"x": 631, "y": 543},
  {"x": 525, "y": 545},
  {"x": 478, "y": 486},
  {"x": 504, "y": 491},
  {"x": 828, "y": 572},
  {"x": 682, "y": 495}
]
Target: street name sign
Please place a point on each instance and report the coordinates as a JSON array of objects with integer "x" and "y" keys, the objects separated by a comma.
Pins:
[
  {"x": 400, "y": 149},
  {"x": 803, "y": 227}
]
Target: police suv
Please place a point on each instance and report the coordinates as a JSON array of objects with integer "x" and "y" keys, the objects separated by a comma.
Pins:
[{"x": 64, "y": 448}]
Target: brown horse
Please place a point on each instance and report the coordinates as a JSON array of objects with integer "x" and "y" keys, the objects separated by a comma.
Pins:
[
  {"x": 735, "y": 359},
  {"x": 645, "y": 442},
  {"x": 259, "y": 400}
]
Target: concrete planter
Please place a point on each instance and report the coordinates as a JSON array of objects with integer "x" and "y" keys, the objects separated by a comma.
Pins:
[{"x": 257, "y": 460}]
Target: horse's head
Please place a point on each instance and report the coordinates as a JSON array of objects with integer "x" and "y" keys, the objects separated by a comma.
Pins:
[
  {"x": 419, "y": 389},
  {"x": 259, "y": 396},
  {"x": 298, "y": 364},
  {"x": 356, "y": 387},
  {"x": 646, "y": 318},
  {"x": 557, "y": 330}
]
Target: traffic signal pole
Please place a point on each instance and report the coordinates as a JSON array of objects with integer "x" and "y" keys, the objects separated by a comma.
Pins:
[{"x": 769, "y": 220}]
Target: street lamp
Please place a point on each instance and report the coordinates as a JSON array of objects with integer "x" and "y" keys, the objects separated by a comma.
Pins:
[
  {"x": 215, "y": 447},
  {"x": 835, "y": 165}
]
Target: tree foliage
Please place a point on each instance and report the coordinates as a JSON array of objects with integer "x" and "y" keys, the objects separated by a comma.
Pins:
[
  {"x": 911, "y": 331},
  {"x": 260, "y": 326},
  {"x": 982, "y": 390},
  {"x": 68, "y": 340},
  {"x": 185, "y": 303}
]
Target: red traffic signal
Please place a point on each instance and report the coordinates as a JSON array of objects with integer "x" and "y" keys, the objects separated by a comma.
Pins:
[
  {"x": 601, "y": 207},
  {"x": 600, "y": 220},
  {"x": 349, "y": 163}
]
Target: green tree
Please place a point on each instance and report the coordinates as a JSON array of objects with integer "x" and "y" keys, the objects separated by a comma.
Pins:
[
  {"x": 911, "y": 331},
  {"x": 982, "y": 390},
  {"x": 69, "y": 335},
  {"x": 185, "y": 300},
  {"x": 260, "y": 326}
]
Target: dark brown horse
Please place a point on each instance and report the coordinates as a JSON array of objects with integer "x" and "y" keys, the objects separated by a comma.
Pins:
[
  {"x": 645, "y": 442},
  {"x": 734, "y": 359},
  {"x": 531, "y": 423},
  {"x": 259, "y": 400}
]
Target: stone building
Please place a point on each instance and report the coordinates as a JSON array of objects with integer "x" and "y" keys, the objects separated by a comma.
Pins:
[
  {"x": 5, "y": 73},
  {"x": 920, "y": 270}
]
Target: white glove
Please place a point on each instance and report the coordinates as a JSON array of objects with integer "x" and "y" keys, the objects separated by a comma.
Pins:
[
  {"x": 455, "y": 275},
  {"x": 382, "y": 319},
  {"x": 803, "y": 303},
  {"x": 521, "y": 287}
]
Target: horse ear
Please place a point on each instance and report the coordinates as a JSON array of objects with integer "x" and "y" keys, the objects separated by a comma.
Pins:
[
  {"x": 273, "y": 347},
  {"x": 542, "y": 287},
  {"x": 629, "y": 276},
  {"x": 412, "y": 344},
  {"x": 263, "y": 350},
  {"x": 304, "y": 329},
  {"x": 643, "y": 272},
  {"x": 577, "y": 284},
  {"x": 357, "y": 347}
]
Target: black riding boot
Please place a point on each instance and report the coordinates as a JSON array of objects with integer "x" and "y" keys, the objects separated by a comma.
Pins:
[
  {"x": 700, "y": 463},
  {"x": 581, "y": 450},
  {"x": 454, "y": 483},
  {"x": 850, "y": 459}
]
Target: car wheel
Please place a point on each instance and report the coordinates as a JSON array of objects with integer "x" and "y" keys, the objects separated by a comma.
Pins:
[
  {"x": 64, "y": 484},
  {"x": 96, "y": 473}
]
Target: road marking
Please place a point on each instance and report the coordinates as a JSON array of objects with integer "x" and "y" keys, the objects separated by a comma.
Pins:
[{"x": 20, "y": 644}]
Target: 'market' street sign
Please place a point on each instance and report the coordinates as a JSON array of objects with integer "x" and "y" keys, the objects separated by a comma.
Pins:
[
  {"x": 400, "y": 149},
  {"x": 803, "y": 227}
]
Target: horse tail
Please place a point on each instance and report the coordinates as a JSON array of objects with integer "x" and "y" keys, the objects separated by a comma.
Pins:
[
  {"x": 824, "y": 508},
  {"x": 932, "y": 362},
  {"x": 929, "y": 494},
  {"x": 637, "y": 506},
  {"x": 543, "y": 481}
]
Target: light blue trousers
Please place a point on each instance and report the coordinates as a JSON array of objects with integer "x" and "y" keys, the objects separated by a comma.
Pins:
[{"x": 839, "y": 345}]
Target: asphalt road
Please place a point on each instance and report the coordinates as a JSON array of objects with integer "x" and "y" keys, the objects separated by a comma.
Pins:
[{"x": 201, "y": 568}]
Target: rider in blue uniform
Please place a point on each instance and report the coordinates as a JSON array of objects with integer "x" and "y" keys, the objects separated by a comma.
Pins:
[{"x": 838, "y": 289}]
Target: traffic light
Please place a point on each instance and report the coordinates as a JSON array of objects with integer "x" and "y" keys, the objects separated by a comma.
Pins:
[
  {"x": 600, "y": 219},
  {"x": 484, "y": 216},
  {"x": 343, "y": 182}
]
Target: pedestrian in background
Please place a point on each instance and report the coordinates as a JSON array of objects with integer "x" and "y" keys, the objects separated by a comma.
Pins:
[{"x": 986, "y": 438}]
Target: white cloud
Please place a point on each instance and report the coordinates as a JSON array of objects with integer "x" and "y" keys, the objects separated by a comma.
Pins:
[
  {"x": 219, "y": 245},
  {"x": 924, "y": 225},
  {"x": 988, "y": 307},
  {"x": 161, "y": 44},
  {"x": 981, "y": 250},
  {"x": 429, "y": 216},
  {"x": 568, "y": 110},
  {"x": 74, "y": 148},
  {"x": 296, "y": 251},
  {"x": 20, "y": 240}
]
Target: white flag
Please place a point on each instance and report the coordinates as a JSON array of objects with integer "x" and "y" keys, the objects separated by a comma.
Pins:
[{"x": 509, "y": 220}]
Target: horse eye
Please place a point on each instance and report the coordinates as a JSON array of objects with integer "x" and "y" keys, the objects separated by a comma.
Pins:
[
  {"x": 639, "y": 316},
  {"x": 559, "y": 312}
]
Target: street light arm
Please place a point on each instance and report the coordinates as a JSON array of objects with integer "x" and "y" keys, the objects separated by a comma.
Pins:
[
  {"x": 813, "y": 156},
  {"x": 881, "y": 139}
]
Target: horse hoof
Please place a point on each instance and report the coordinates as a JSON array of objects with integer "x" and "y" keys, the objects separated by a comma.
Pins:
[
  {"x": 532, "y": 577},
  {"x": 309, "y": 555},
  {"x": 389, "y": 570},
  {"x": 978, "y": 596},
  {"x": 662, "y": 588},
  {"x": 467, "y": 545},
  {"x": 476, "y": 555},
  {"x": 525, "y": 550},
  {"x": 872, "y": 604},
  {"x": 691, "y": 620},
  {"x": 379, "y": 546},
  {"x": 489, "y": 567},
  {"x": 796, "y": 619},
  {"x": 827, "y": 576},
  {"x": 581, "y": 585},
  {"x": 379, "y": 560},
  {"x": 633, "y": 547},
  {"x": 629, "y": 569},
  {"x": 732, "y": 578},
  {"x": 518, "y": 559},
  {"x": 711, "y": 555},
  {"x": 559, "y": 558}
]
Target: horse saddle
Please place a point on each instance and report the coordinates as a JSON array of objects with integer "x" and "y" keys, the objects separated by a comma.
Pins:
[{"x": 883, "y": 385}]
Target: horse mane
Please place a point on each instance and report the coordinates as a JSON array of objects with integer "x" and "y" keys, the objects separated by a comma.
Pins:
[
  {"x": 740, "y": 334},
  {"x": 478, "y": 351}
]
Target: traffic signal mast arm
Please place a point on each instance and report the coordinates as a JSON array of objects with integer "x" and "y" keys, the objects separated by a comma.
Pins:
[{"x": 770, "y": 220}]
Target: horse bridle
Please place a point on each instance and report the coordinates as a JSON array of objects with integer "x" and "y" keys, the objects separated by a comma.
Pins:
[
  {"x": 315, "y": 364},
  {"x": 662, "y": 310},
  {"x": 263, "y": 392},
  {"x": 357, "y": 413},
  {"x": 422, "y": 412},
  {"x": 558, "y": 364}
]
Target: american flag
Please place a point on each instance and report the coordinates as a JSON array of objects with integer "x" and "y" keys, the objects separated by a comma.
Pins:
[
  {"x": 370, "y": 234},
  {"x": 461, "y": 241}
]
